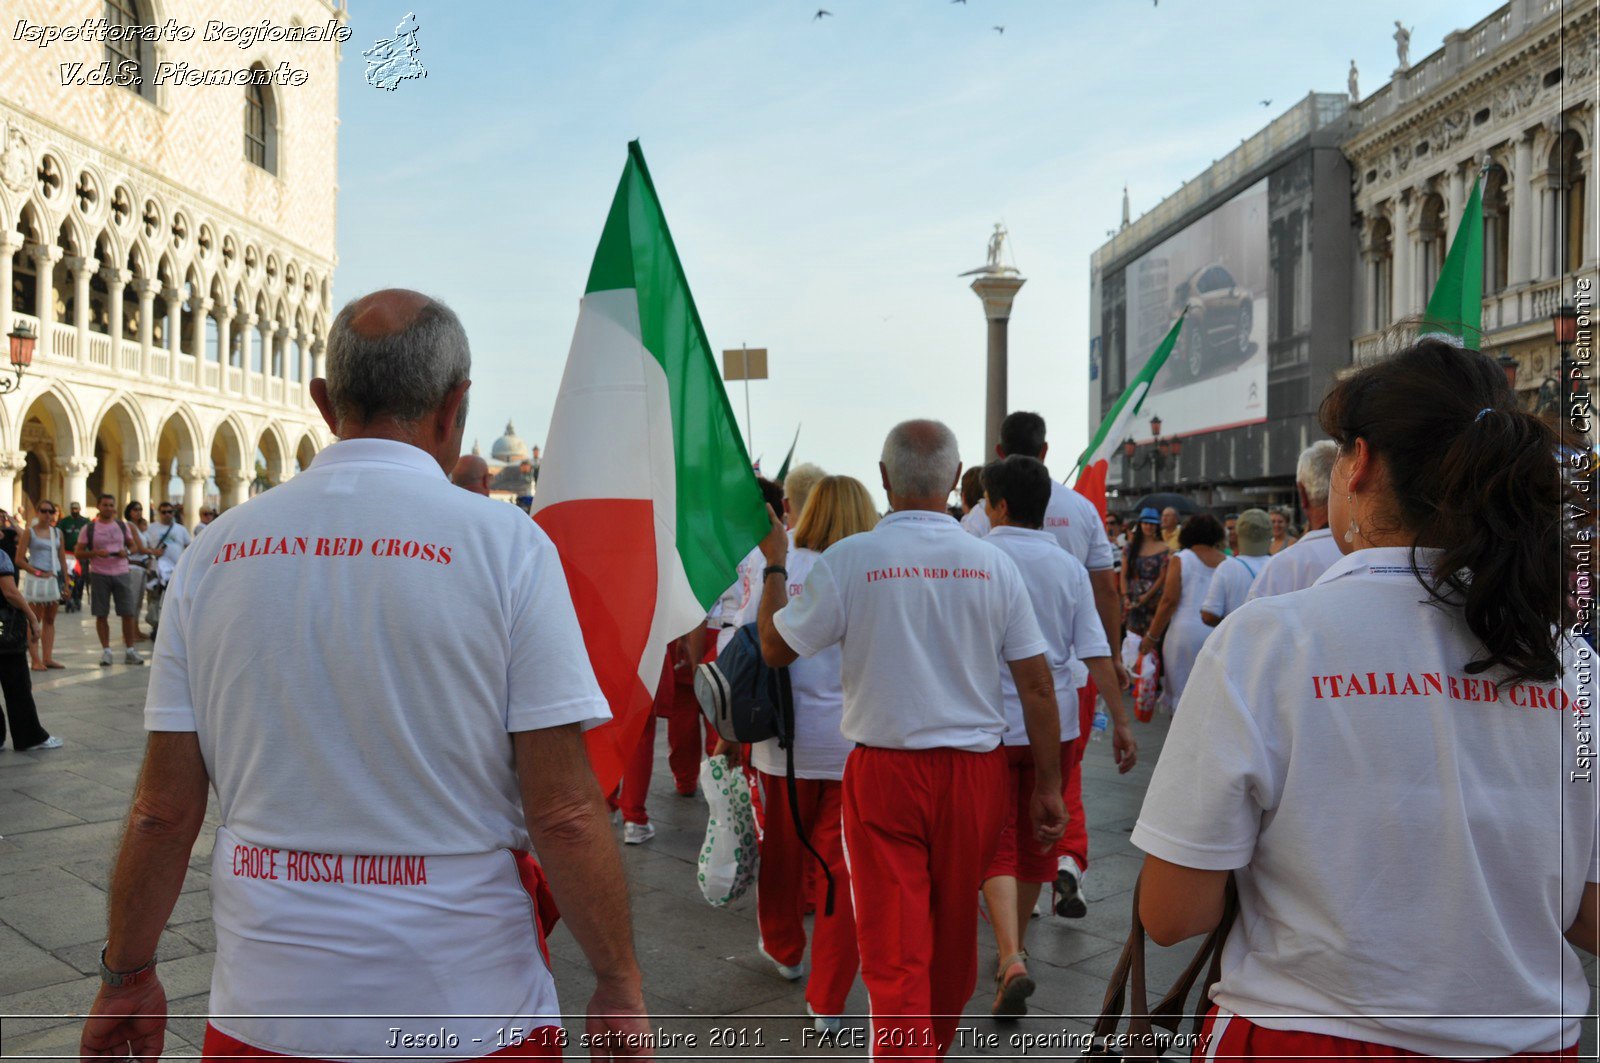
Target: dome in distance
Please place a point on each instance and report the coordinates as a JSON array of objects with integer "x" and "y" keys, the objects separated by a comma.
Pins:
[{"x": 509, "y": 448}]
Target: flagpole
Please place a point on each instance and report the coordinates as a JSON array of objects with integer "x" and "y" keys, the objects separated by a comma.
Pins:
[{"x": 749, "y": 433}]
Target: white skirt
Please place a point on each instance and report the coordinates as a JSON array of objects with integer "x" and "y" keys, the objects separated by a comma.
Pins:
[{"x": 40, "y": 590}]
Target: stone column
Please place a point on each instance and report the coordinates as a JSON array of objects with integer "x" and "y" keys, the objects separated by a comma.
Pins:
[
  {"x": 10, "y": 240},
  {"x": 146, "y": 290},
  {"x": 317, "y": 349},
  {"x": 235, "y": 487},
  {"x": 194, "y": 493},
  {"x": 200, "y": 310},
  {"x": 174, "y": 336},
  {"x": 44, "y": 308},
  {"x": 224, "y": 346},
  {"x": 82, "y": 268},
  {"x": 116, "y": 284},
  {"x": 998, "y": 291},
  {"x": 76, "y": 472},
  {"x": 284, "y": 352},
  {"x": 1456, "y": 199},
  {"x": 12, "y": 463},
  {"x": 247, "y": 342},
  {"x": 138, "y": 475},
  {"x": 1519, "y": 270}
]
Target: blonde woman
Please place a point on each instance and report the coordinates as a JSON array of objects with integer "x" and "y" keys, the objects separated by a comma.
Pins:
[
  {"x": 41, "y": 558},
  {"x": 838, "y": 506}
]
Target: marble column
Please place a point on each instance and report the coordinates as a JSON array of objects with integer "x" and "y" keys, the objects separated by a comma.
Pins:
[
  {"x": 194, "y": 493},
  {"x": 174, "y": 334},
  {"x": 317, "y": 350},
  {"x": 247, "y": 342},
  {"x": 1404, "y": 242},
  {"x": 1520, "y": 267},
  {"x": 1456, "y": 199},
  {"x": 224, "y": 346},
  {"x": 235, "y": 487},
  {"x": 137, "y": 475},
  {"x": 998, "y": 291},
  {"x": 10, "y": 241},
  {"x": 75, "y": 472},
  {"x": 116, "y": 284},
  {"x": 146, "y": 290},
  {"x": 82, "y": 269},
  {"x": 44, "y": 301},
  {"x": 12, "y": 463},
  {"x": 200, "y": 309}
]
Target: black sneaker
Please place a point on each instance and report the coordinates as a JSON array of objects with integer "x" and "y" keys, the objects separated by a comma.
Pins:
[{"x": 1069, "y": 902}]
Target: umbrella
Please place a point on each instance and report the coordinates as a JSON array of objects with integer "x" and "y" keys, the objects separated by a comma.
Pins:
[{"x": 1162, "y": 499}]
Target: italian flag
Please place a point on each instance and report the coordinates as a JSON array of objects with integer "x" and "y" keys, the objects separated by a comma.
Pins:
[
  {"x": 646, "y": 487},
  {"x": 1095, "y": 459}
]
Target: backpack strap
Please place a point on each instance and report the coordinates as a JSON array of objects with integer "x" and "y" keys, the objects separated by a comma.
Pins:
[{"x": 786, "y": 740}]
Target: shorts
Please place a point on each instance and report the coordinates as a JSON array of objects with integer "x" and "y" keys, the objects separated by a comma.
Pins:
[{"x": 104, "y": 590}]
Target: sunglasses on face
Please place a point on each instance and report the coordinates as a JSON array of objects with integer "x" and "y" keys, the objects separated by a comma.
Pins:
[{"x": 47, "y": 513}]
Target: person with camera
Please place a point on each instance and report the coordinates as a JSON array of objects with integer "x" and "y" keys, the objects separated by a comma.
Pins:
[
  {"x": 1385, "y": 761},
  {"x": 105, "y": 544}
]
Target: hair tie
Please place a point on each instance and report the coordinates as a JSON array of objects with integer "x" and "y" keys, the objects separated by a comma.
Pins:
[{"x": 1483, "y": 413}]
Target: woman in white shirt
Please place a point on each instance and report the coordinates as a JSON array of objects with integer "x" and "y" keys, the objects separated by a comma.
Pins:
[
  {"x": 838, "y": 506},
  {"x": 1391, "y": 763},
  {"x": 1177, "y": 628}
]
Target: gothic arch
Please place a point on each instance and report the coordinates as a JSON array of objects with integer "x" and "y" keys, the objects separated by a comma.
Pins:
[
  {"x": 63, "y": 409},
  {"x": 229, "y": 438},
  {"x": 130, "y": 421}
]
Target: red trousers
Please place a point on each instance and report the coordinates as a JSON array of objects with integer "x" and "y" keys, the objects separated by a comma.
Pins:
[
  {"x": 785, "y": 887},
  {"x": 1238, "y": 1038},
  {"x": 1017, "y": 855},
  {"x": 1075, "y": 842},
  {"x": 677, "y": 703},
  {"x": 920, "y": 826},
  {"x": 542, "y": 1043}
]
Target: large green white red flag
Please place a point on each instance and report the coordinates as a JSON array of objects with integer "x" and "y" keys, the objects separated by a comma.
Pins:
[{"x": 646, "y": 487}]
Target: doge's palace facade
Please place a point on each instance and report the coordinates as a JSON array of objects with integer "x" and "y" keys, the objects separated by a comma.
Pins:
[{"x": 171, "y": 241}]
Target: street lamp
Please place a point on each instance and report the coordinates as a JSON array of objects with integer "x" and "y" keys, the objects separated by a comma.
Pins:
[
  {"x": 1509, "y": 366},
  {"x": 22, "y": 340},
  {"x": 1564, "y": 324},
  {"x": 1157, "y": 453}
]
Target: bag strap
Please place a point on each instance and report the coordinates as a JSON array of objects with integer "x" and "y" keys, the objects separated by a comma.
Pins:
[{"x": 786, "y": 740}]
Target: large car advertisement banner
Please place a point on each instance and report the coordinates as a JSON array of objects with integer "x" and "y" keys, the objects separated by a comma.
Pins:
[{"x": 1217, "y": 267}]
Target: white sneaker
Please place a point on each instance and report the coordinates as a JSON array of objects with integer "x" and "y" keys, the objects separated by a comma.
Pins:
[
  {"x": 105, "y": 657},
  {"x": 637, "y": 833},
  {"x": 1068, "y": 890},
  {"x": 49, "y": 743},
  {"x": 824, "y": 1023},
  {"x": 131, "y": 657},
  {"x": 793, "y": 974}
]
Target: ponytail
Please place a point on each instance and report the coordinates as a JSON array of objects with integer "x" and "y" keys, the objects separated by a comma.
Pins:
[{"x": 1475, "y": 476}]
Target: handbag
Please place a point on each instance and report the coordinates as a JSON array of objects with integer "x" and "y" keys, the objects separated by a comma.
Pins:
[
  {"x": 1127, "y": 985},
  {"x": 13, "y": 629}
]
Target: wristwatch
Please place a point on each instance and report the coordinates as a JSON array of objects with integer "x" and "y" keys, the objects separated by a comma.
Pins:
[
  {"x": 772, "y": 570},
  {"x": 125, "y": 979}
]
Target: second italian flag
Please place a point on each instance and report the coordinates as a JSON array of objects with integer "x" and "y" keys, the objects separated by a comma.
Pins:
[{"x": 646, "y": 487}]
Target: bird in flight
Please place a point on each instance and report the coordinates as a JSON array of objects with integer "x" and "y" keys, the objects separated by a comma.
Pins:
[
  {"x": 999, "y": 29},
  {"x": 958, "y": 1},
  {"x": 822, "y": 13},
  {"x": 1266, "y": 103}
]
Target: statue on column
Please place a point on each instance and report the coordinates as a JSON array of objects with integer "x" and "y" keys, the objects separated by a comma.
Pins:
[
  {"x": 1402, "y": 44},
  {"x": 997, "y": 241},
  {"x": 1355, "y": 89}
]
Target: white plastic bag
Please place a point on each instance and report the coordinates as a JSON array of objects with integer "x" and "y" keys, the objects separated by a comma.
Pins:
[{"x": 728, "y": 857}]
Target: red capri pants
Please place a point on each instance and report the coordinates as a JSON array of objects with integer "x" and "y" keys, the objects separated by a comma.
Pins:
[
  {"x": 1237, "y": 1037},
  {"x": 1018, "y": 856}
]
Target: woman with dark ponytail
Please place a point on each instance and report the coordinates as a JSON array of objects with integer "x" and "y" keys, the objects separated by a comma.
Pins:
[{"x": 1394, "y": 763}]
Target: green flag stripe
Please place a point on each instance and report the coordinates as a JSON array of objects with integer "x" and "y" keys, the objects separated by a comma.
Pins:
[
  {"x": 1146, "y": 375},
  {"x": 720, "y": 511},
  {"x": 1456, "y": 305}
]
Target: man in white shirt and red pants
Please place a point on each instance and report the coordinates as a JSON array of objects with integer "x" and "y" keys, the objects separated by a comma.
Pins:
[
  {"x": 924, "y": 615},
  {"x": 372, "y": 886}
]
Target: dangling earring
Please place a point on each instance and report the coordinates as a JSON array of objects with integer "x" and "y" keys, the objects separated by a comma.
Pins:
[{"x": 1354, "y": 529}]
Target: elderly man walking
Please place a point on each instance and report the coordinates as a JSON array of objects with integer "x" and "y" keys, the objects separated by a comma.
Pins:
[
  {"x": 371, "y": 881},
  {"x": 924, "y": 615},
  {"x": 1302, "y": 564}
]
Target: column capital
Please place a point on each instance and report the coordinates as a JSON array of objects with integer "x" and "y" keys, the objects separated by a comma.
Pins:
[
  {"x": 172, "y": 295},
  {"x": 318, "y": 347},
  {"x": 13, "y": 461},
  {"x": 10, "y": 240},
  {"x": 224, "y": 311},
  {"x": 148, "y": 288},
  {"x": 202, "y": 306},
  {"x": 77, "y": 466},
  {"x": 82, "y": 265},
  {"x": 47, "y": 254},
  {"x": 247, "y": 319},
  {"x": 194, "y": 473},
  {"x": 115, "y": 277},
  {"x": 232, "y": 478},
  {"x": 141, "y": 470}
]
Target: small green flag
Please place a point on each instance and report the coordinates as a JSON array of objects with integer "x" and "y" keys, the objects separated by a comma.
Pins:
[
  {"x": 783, "y": 473},
  {"x": 1456, "y": 305}
]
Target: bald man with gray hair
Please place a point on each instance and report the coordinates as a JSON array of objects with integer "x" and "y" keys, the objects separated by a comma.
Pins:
[
  {"x": 377, "y": 860},
  {"x": 472, "y": 474},
  {"x": 1301, "y": 565},
  {"x": 926, "y": 617}
]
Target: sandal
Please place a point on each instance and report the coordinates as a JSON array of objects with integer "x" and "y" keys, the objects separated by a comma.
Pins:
[{"x": 1012, "y": 993}]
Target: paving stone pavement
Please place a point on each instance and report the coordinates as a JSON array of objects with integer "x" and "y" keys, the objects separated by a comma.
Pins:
[{"x": 61, "y": 812}]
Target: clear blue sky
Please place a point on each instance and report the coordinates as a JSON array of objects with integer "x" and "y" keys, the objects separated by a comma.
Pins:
[{"x": 825, "y": 181}]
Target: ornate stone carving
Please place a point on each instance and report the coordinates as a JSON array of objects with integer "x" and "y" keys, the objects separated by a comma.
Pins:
[
  {"x": 194, "y": 473},
  {"x": 16, "y": 160},
  {"x": 1516, "y": 96}
]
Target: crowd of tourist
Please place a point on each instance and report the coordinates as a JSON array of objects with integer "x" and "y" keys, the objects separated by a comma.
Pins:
[{"x": 1364, "y": 717}]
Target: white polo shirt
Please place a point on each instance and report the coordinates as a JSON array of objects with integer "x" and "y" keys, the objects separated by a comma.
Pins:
[
  {"x": 1297, "y": 567},
  {"x": 819, "y": 749},
  {"x": 1063, "y": 604},
  {"x": 1072, "y": 519},
  {"x": 353, "y": 650},
  {"x": 925, "y": 614},
  {"x": 738, "y": 603},
  {"x": 1406, "y": 837},
  {"x": 1231, "y": 582}
]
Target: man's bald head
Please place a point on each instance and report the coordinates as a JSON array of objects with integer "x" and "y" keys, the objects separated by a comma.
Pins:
[
  {"x": 472, "y": 473},
  {"x": 386, "y": 312},
  {"x": 921, "y": 460},
  {"x": 394, "y": 355}
]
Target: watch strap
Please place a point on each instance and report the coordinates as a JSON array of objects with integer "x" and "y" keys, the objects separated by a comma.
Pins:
[
  {"x": 774, "y": 570},
  {"x": 125, "y": 979}
]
